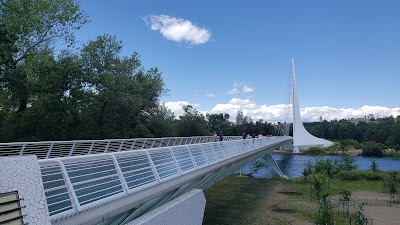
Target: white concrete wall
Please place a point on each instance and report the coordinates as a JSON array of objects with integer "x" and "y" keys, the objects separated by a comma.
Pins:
[
  {"x": 186, "y": 209},
  {"x": 22, "y": 174}
]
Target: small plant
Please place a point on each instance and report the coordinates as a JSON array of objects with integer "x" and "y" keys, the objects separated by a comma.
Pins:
[
  {"x": 345, "y": 202},
  {"x": 256, "y": 166},
  {"x": 359, "y": 216},
  {"x": 346, "y": 162},
  {"x": 308, "y": 170},
  {"x": 391, "y": 185},
  {"x": 319, "y": 186},
  {"x": 325, "y": 211},
  {"x": 374, "y": 166}
]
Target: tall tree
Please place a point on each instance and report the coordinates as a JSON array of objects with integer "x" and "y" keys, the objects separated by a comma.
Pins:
[
  {"x": 122, "y": 92},
  {"x": 192, "y": 123},
  {"x": 33, "y": 26}
]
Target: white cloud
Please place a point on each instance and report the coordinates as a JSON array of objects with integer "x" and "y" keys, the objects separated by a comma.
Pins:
[
  {"x": 234, "y": 91},
  {"x": 177, "y": 29},
  {"x": 176, "y": 107},
  {"x": 247, "y": 89},
  {"x": 282, "y": 112},
  {"x": 210, "y": 95},
  {"x": 237, "y": 85},
  {"x": 328, "y": 113},
  {"x": 251, "y": 109}
]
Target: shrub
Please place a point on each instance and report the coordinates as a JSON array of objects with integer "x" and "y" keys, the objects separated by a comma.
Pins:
[
  {"x": 359, "y": 175},
  {"x": 319, "y": 186},
  {"x": 325, "y": 211},
  {"x": 349, "y": 175},
  {"x": 391, "y": 185},
  {"x": 346, "y": 162},
  {"x": 350, "y": 143},
  {"x": 315, "y": 151},
  {"x": 308, "y": 170},
  {"x": 370, "y": 175},
  {"x": 374, "y": 166},
  {"x": 325, "y": 166},
  {"x": 372, "y": 151}
]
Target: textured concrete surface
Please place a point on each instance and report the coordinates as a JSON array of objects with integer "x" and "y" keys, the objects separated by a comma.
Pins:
[{"x": 22, "y": 174}]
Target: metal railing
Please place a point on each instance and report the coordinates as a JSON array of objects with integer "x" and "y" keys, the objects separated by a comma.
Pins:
[
  {"x": 74, "y": 184},
  {"x": 57, "y": 149}
]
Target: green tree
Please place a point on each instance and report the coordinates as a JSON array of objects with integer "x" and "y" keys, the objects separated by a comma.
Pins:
[
  {"x": 220, "y": 122},
  {"x": 32, "y": 27},
  {"x": 122, "y": 93},
  {"x": 192, "y": 123},
  {"x": 161, "y": 122}
]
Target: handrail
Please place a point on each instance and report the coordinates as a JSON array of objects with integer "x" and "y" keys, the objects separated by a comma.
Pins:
[
  {"x": 57, "y": 149},
  {"x": 129, "y": 172}
]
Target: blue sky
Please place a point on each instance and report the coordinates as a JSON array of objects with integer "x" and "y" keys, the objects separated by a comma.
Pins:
[{"x": 347, "y": 53}]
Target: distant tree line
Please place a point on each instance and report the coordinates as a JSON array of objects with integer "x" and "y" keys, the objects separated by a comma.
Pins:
[
  {"x": 93, "y": 92},
  {"x": 383, "y": 131}
]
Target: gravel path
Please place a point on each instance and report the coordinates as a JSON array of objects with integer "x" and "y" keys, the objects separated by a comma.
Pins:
[
  {"x": 277, "y": 208},
  {"x": 378, "y": 207}
]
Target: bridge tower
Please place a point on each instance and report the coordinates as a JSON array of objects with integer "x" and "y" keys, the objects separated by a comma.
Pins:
[{"x": 302, "y": 139}]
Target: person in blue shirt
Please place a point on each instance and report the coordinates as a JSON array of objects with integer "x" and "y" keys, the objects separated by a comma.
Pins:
[
  {"x": 244, "y": 135},
  {"x": 221, "y": 136}
]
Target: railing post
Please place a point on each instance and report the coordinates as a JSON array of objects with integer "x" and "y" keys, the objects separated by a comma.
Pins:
[
  {"x": 176, "y": 162},
  {"x": 49, "y": 151},
  {"x": 169, "y": 139},
  {"x": 191, "y": 156},
  {"x": 90, "y": 149},
  {"x": 153, "y": 167},
  {"x": 152, "y": 144},
  {"x": 108, "y": 144},
  {"x": 70, "y": 188},
  {"x": 144, "y": 142},
  {"x": 204, "y": 154},
  {"x": 22, "y": 150},
  {"x": 72, "y": 149},
  {"x": 133, "y": 145},
  {"x": 120, "y": 146},
  {"x": 120, "y": 174}
]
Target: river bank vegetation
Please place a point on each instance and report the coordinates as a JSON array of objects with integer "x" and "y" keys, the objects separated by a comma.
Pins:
[{"x": 328, "y": 193}]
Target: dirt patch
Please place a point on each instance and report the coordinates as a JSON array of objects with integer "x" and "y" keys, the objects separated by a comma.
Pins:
[
  {"x": 281, "y": 204},
  {"x": 354, "y": 152},
  {"x": 250, "y": 201},
  {"x": 377, "y": 207},
  {"x": 278, "y": 207}
]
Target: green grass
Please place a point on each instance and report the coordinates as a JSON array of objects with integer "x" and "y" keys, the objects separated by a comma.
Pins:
[{"x": 233, "y": 200}]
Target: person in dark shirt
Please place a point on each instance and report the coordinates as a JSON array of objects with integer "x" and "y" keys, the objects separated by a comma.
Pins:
[
  {"x": 244, "y": 135},
  {"x": 221, "y": 136}
]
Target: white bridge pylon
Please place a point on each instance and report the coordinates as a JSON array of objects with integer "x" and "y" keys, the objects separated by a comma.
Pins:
[{"x": 302, "y": 139}]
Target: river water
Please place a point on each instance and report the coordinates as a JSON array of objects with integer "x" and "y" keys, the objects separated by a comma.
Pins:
[{"x": 293, "y": 165}]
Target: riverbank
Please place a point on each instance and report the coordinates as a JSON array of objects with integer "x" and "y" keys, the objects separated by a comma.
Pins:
[
  {"x": 238, "y": 200},
  {"x": 352, "y": 152}
]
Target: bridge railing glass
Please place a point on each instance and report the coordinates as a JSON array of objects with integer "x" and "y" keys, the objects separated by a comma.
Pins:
[{"x": 73, "y": 184}]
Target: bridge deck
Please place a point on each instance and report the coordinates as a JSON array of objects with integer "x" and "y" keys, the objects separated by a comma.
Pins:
[
  {"x": 89, "y": 189},
  {"x": 115, "y": 181}
]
